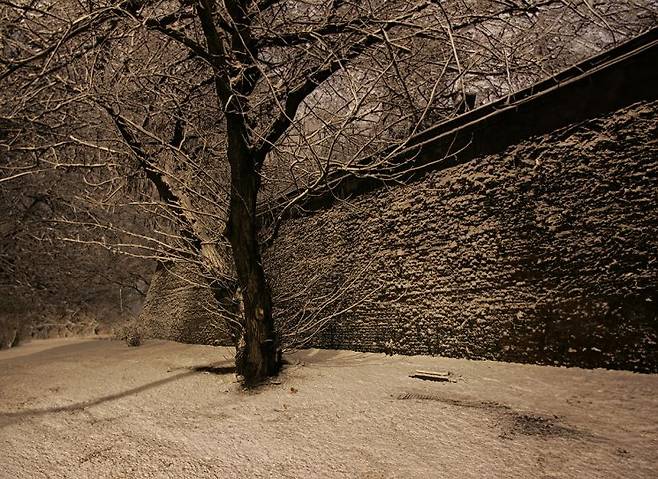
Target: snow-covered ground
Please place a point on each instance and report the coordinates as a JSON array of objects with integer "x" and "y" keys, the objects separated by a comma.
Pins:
[{"x": 74, "y": 408}]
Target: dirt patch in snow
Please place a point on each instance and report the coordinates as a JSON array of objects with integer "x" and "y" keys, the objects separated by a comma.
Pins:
[{"x": 510, "y": 422}]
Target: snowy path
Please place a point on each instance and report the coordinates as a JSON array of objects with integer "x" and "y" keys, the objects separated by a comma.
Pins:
[{"x": 75, "y": 408}]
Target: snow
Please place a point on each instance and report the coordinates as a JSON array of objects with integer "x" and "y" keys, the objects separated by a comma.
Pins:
[{"x": 77, "y": 408}]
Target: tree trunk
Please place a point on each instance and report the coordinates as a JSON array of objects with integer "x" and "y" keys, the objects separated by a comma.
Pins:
[{"x": 257, "y": 350}]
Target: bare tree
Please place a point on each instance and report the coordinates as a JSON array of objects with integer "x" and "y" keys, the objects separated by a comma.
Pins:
[{"x": 300, "y": 89}]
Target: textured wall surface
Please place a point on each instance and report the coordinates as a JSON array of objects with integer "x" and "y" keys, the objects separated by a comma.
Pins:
[
  {"x": 546, "y": 253},
  {"x": 177, "y": 308}
]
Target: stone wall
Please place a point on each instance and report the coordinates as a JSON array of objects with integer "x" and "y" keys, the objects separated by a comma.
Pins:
[
  {"x": 180, "y": 308},
  {"x": 546, "y": 253}
]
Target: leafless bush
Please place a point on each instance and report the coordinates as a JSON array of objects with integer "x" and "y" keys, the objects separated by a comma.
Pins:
[
  {"x": 131, "y": 332},
  {"x": 10, "y": 333}
]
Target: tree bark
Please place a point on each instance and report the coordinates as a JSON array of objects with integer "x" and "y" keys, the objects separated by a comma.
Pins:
[{"x": 257, "y": 350}]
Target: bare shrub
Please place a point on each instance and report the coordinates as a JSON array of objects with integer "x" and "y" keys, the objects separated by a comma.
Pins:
[
  {"x": 12, "y": 332},
  {"x": 130, "y": 332}
]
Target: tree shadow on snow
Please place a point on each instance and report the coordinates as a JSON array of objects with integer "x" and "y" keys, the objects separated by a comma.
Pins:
[
  {"x": 9, "y": 418},
  {"x": 219, "y": 370},
  {"x": 335, "y": 357}
]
